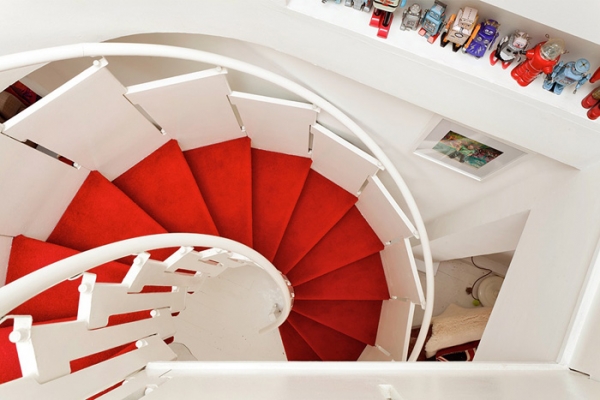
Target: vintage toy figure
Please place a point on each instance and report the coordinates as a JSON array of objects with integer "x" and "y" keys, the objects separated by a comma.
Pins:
[
  {"x": 459, "y": 28},
  {"x": 510, "y": 49},
  {"x": 484, "y": 37},
  {"x": 592, "y": 102},
  {"x": 383, "y": 15},
  {"x": 433, "y": 20},
  {"x": 542, "y": 58},
  {"x": 567, "y": 74},
  {"x": 364, "y": 5},
  {"x": 411, "y": 17}
]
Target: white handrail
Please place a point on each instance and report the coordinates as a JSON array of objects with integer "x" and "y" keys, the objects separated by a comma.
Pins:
[
  {"x": 22, "y": 289},
  {"x": 151, "y": 50}
]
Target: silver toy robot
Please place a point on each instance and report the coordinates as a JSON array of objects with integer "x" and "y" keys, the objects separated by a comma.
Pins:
[
  {"x": 411, "y": 17},
  {"x": 364, "y": 5}
]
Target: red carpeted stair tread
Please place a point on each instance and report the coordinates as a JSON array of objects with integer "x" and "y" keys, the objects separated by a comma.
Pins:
[
  {"x": 277, "y": 181},
  {"x": 361, "y": 280},
  {"x": 100, "y": 214},
  {"x": 329, "y": 344},
  {"x": 351, "y": 239},
  {"x": 163, "y": 186},
  {"x": 296, "y": 348},
  {"x": 10, "y": 369},
  {"x": 321, "y": 205},
  {"x": 223, "y": 173},
  {"x": 60, "y": 301},
  {"x": 358, "y": 319}
]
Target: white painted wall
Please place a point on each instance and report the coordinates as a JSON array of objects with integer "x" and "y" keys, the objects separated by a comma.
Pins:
[{"x": 561, "y": 231}]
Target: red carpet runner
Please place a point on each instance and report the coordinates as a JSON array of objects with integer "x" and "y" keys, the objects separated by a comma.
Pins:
[{"x": 302, "y": 221}]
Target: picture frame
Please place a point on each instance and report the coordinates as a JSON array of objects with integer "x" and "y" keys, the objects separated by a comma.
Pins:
[{"x": 464, "y": 150}]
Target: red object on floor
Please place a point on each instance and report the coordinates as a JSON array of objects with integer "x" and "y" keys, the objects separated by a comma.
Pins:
[
  {"x": 320, "y": 206},
  {"x": 60, "y": 301},
  {"x": 351, "y": 239},
  {"x": 358, "y": 319},
  {"x": 361, "y": 280},
  {"x": 296, "y": 348},
  {"x": 277, "y": 181},
  {"x": 100, "y": 214},
  {"x": 223, "y": 173},
  {"x": 164, "y": 187},
  {"x": 327, "y": 343}
]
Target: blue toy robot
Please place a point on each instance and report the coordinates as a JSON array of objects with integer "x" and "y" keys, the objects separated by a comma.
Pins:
[
  {"x": 566, "y": 74},
  {"x": 433, "y": 20},
  {"x": 484, "y": 39}
]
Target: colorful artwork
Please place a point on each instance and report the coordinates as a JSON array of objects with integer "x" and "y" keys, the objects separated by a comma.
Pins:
[{"x": 467, "y": 151}]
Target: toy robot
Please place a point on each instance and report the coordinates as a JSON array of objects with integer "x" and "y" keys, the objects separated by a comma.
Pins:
[
  {"x": 383, "y": 15},
  {"x": 592, "y": 100},
  {"x": 432, "y": 21},
  {"x": 510, "y": 48},
  {"x": 542, "y": 58},
  {"x": 567, "y": 74},
  {"x": 485, "y": 36},
  {"x": 364, "y": 5},
  {"x": 411, "y": 17},
  {"x": 336, "y": 1},
  {"x": 459, "y": 28}
]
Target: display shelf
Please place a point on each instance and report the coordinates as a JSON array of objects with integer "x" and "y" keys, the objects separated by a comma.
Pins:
[{"x": 463, "y": 88}]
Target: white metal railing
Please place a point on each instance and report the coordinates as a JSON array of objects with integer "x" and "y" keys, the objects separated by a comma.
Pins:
[
  {"x": 150, "y": 50},
  {"x": 21, "y": 290}
]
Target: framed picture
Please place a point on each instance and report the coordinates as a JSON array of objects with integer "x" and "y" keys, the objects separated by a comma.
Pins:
[{"x": 466, "y": 151}]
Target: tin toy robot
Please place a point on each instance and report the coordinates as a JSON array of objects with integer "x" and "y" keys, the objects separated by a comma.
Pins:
[
  {"x": 433, "y": 20},
  {"x": 459, "y": 28},
  {"x": 411, "y": 17},
  {"x": 565, "y": 74},
  {"x": 542, "y": 58},
  {"x": 364, "y": 5},
  {"x": 384, "y": 14}
]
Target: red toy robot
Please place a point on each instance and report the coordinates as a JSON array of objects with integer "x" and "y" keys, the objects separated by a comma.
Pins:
[
  {"x": 592, "y": 100},
  {"x": 542, "y": 58}
]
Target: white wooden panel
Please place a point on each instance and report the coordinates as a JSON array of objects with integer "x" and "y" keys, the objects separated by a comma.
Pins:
[
  {"x": 134, "y": 387},
  {"x": 383, "y": 213},
  {"x": 5, "y": 246},
  {"x": 395, "y": 324},
  {"x": 89, "y": 121},
  {"x": 276, "y": 125},
  {"x": 401, "y": 272},
  {"x": 52, "y": 347},
  {"x": 98, "y": 301},
  {"x": 340, "y": 161},
  {"x": 192, "y": 108},
  {"x": 36, "y": 189},
  {"x": 147, "y": 272},
  {"x": 371, "y": 353},
  {"x": 87, "y": 382}
]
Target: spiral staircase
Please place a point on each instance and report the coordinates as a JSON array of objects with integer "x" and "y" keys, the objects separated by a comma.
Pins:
[{"x": 255, "y": 183}]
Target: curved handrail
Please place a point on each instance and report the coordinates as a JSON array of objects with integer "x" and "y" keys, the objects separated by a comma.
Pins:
[
  {"x": 152, "y": 50},
  {"x": 19, "y": 291}
]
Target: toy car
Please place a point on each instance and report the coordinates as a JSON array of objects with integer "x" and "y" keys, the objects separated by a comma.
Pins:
[
  {"x": 411, "y": 18},
  {"x": 433, "y": 20},
  {"x": 484, "y": 37},
  {"x": 459, "y": 28}
]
